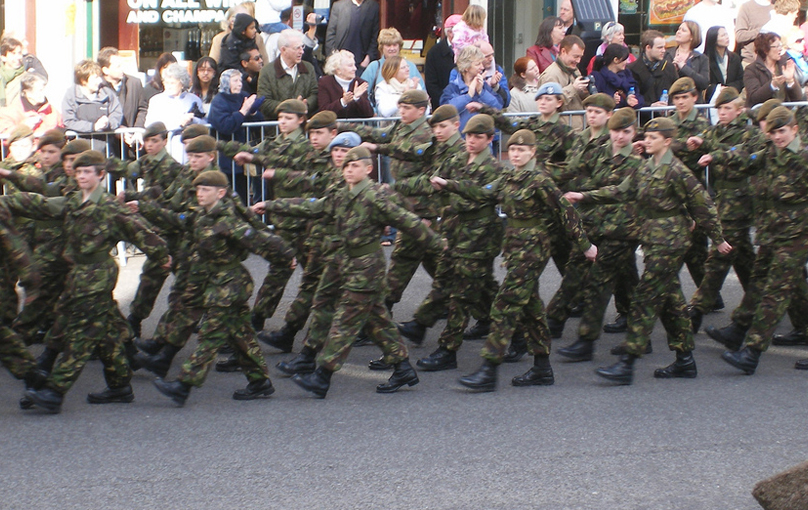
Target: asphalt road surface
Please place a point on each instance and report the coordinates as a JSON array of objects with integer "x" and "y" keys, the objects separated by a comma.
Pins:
[{"x": 580, "y": 444}]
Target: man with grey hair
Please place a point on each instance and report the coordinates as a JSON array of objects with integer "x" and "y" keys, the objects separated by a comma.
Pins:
[{"x": 288, "y": 76}]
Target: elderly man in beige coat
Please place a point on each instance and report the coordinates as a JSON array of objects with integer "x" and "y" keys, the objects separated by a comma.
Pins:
[{"x": 565, "y": 72}]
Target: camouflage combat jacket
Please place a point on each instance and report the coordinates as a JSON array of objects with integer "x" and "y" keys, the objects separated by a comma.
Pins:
[
  {"x": 692, "y": 125},
  {"x": 158, "y": 170}
]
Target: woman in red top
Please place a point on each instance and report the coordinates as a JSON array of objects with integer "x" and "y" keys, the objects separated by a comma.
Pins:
[{"x": 545, "y": 51}]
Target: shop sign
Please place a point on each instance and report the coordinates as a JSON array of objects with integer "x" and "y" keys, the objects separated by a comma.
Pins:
[{"x": 178, "y": 11}]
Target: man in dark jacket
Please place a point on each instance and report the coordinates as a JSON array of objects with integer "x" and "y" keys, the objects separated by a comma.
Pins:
[
  {"x": 128, "y": 88},
  {"x": 440, "y": 62},
  {"x": 354, "y": 26},
  {"x": 651, "y": 71},
  {"x": 288, "y": 77}
]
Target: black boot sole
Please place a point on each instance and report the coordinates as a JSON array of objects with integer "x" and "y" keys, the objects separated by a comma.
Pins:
[
  {"x": 254, "y": 396},
  {"x": 45, "y": 406},
  {"x": 177, "y": 399},
  {"x": 661, "y": 373},
  {"x": 127, "y": 399},
  {"x": 621, "y": 380},
  {"x": 300, "y": 382},
  {"x": 731, "y": 361},
  {"x": 576, "y": 357},
  {"x": 479, "y": 388},
  {"x": 397, "y": 386}
]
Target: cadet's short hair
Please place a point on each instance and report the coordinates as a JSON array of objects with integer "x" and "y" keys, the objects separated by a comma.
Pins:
[{"x": 83, "y": 71}]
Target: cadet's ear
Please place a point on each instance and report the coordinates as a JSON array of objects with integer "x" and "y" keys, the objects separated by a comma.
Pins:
[{"x": 220, "y": 193}]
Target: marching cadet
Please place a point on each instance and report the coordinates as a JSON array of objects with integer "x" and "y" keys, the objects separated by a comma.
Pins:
[
  {"x": 781, "y": 232},
  {"x": 684, "y": 96},
  {"x": 612, "y": 227},
  {"x": 221, "y": 240},
  {"x": 531, "y": 200},
  {"x": 664, "y": 189},
  {"x": 313, "y": 181},
  {"x": 361, "y": 210},
  {"x": 290, "y": 149},
  {"x": 47, "y": 242},
  {"x": 155, "y": 168},
  {"x": 329, "y": 288},
  {"x": 15, "y": 254},
  {"x": 474, "y": 241},
  {"x": 412, "y": 130},
  {"x": 733, "y": 199},
  {"x": 94, "y": 223},
  {"x": 565, "y": 302}
]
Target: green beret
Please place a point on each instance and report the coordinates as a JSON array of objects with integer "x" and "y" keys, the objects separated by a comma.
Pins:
[
  {"x": 727, "y": 95},
  {"x": 683, "y": 85},
  {"x": 211, "y": 178},
  {"x": 19, "y": 132},
  {"x": 443, "y": 112},
  {"x": 295, "y": 106},
  {"x": 622, "y": 118},
  {"x": 193, "y": 131},
  {"x": 600, "y": 100},
  {"x": 157, "y": 128},
  {"x": 779, "y": 117},
  {"x": 89, "y": 158},
  {"x": 522, "y": 137},
  {"x": 414, "y": 97},
  {"x": 323, "y": 119},
  {"x": 204, "y": 143},
  {"x": 661, "y": 124},
  {"x": 356, "y": 154},
  {"x": 52, "y": 137},
  {"x": 76, "y": 146},
  {"x": 766, "y": 108},
  {"x": 480, "y": 124}
]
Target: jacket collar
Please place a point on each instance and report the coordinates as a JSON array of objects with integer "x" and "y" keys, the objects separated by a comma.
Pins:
[
  {"x": 280, "y": 73},
  {"x": 360, "y": 187}
]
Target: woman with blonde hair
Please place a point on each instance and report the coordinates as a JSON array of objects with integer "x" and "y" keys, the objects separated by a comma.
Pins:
[
  {"x": 341, "y": 91},
  {"x": 396, "y": 81},
  {"x": 390, "y": 44},
  {"x": 469, "y": 91},
  {"x": 470, "y": 29}
]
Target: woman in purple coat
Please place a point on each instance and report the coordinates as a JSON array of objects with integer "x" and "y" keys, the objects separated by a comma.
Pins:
[
  {"x": 612, "y": 77},
  {"x": 341, "y": 91}
]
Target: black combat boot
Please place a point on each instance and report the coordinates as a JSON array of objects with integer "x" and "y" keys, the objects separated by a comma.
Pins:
[
  {"x": 149, "y": 346},
  {"x": 746, "y": 359},
  {"x": 484, "y": 379},
  {"x": 135, "y": 324},
  {"x": 556, "y": 327},
  {"x": 131, "y": 353},
  {"x": 621, "y": 372},
  {"x": 46, "y": 398},
  {"x": 46, "y": 360},
  {"x": 316, "y": 382},
  {"x": 576, "y": 310},
  {"x": 379, "y": 364},
  {"x": 257, "y": 320},
  {"x": 801, "y": 364},
  {"x": 540, "y": 374},
  {"x": 122, "y": 395},
  {"x": 254, "y": 390},
  {"x": 403, "y": 375},
  {"x": 794, "y": 337},
  {"x": 389, "y": 304},
  {"x": 282, "y": 339},
  {"x": 35, "y": 379},
  {"x": 280, "y": 342},
  {"x": 177, "y": 391},
  {"x": 160, "y": 362},
  {"x": 303, "y": 363},
  {"x": 478, "y": 331},
  {"x": 580, "y": 350},
  {"x": 413, "y": 331},
  {"x": 620, "y": 325},
  {"x": 620, "y": 349},
  {"x": 517, "y": 349},
  {"x": 684, "y": 366},
  {"x": 719, "y": 303},
  {"x": 441, "y": 359},
  {"x": 696, "y": 317},
  {"x": 731, "y": 336},
  {"x": 231, "y": 364}
]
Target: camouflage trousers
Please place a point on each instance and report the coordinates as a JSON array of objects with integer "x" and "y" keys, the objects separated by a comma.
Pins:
[
  {"x": 221, "y": 326},
  {"x": 472, "y": 292},
  {"x": 271, "y": 291},
  {"x": 659, "y": 294},
  {"x": 404, "y": 261},
  {"x": 518, "y": 305},
  {"x": 696, "y": 256},
  {"x": 151, "y": 282},
  {"x": 13, "y": 354},
  {"x": 8, "y": 294},
  {"x": 324, "y": 304},
  {"x": 782, "y": 287},
  {"x": 560, "y": 247},
  {"x": 575, "y": 273},
  {"x": 91, "y": 324},
  {"x": 185, "y": 309},
  {"x": 614, "y": 256},
  {"x": 40, "y": 313},
  {"x": 299, "y": 310},
  {"x": 436, "y": 303},
  {"x": 355, "y": 311},
  {"x": 741, "y": 258}
]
